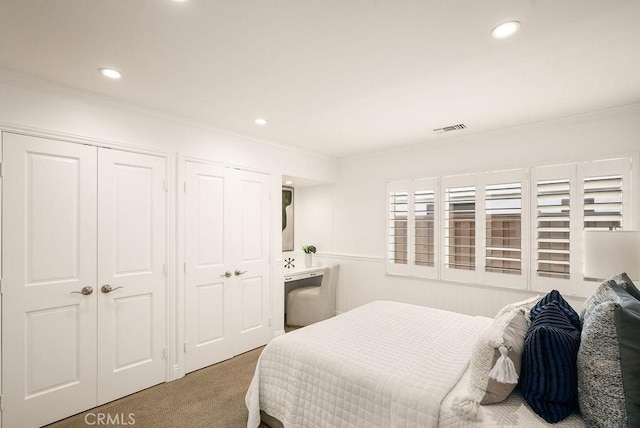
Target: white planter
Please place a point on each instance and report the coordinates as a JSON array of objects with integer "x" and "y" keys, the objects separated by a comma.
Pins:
[{"x": 308, "y": 261}]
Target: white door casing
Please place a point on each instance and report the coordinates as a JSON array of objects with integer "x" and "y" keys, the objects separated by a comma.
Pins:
[
  {"x": 79, "y": 216},
  {"x": 131, "y": 254},
  {"x": 49, "y": 247},
  {"x": 227, "y": 233}
]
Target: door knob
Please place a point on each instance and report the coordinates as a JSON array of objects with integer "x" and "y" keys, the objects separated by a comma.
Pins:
[
  {"x": 238, "y": 273},
  {"x": 108, "y": 289},
  {"x": 85, "y": 290},
  {"x": 227, "y": 274}
]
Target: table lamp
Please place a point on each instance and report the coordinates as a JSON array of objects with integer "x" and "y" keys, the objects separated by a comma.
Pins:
[{"x": 609, "y": 252}]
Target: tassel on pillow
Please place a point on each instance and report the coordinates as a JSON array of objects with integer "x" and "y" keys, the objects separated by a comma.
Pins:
[{"x": 504, "y": 371}]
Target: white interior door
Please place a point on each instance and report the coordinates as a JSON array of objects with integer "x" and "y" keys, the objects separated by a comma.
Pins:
[
  {"x": 227, "y": 263},
  {"x": 209, "y": 321},
  {"x": 49, "y": 248},
  {"x": 131, "y": 254},
  {"x": 251, "y": 259}
]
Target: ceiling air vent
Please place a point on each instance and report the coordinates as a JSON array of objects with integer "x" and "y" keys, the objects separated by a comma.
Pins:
[{"x": 457, "y": 127}]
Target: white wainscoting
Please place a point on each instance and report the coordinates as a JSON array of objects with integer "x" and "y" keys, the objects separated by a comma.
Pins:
[{"x": 363, "y": 279}]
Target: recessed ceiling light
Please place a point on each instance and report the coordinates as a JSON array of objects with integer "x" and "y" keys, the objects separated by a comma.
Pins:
[
  {"x": 110, "y": 73},
  {"x": 260, "y": 121},
  {"x": 288, "y": 182},
  {"x": 505, "y": 30}
]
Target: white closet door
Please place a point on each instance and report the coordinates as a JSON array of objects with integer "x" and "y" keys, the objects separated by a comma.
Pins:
[
  {"x": 49, "y": 248},
  {"x": 251, "y": 259},
  {"x": 208, "y": 247},
  {"x": 131, "y": 254}
]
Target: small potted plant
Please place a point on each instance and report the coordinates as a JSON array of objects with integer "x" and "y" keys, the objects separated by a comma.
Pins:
[{"x": 308, "y": 251}]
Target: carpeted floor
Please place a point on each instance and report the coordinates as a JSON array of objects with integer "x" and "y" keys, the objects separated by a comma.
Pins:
[{"x": 210, "y": 397}]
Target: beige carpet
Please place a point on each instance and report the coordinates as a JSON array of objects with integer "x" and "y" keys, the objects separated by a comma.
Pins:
[{"x": 210, "y": 397}]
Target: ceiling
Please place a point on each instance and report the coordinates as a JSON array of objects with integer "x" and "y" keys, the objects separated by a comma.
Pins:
[{"x": 335, "y": 76}]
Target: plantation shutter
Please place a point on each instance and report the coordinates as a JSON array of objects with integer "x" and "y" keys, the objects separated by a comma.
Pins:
[
  {"x": 553, "y": 234},
  {"x": 425, "y": 229},
  {"x": 459, "y": 227},
  {"x": 503, "y": 223},
  {"x": 606, "y": 204},
  {"x": 555, "y": 204},
  {"x": 397, "y": 227},
  {"x": 603, "y": 202}
]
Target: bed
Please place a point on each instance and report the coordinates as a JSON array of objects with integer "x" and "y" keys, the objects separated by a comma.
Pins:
[{"x": 384, "y": 364}]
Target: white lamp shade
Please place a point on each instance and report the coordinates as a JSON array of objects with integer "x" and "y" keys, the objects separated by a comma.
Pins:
[{"x": 607, "y": 253}]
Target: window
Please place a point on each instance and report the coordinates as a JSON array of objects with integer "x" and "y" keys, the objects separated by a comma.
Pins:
[
  {"x": 603, "y": 202},
  {"x": 570, "y": 199},
  {"x": 424, "y": 227},
  {"x": 460, "y": 228},
  {"x": 398, "y": 217},
  {"x": 413, "y": 235},
  {"x": 519, "y": 228},
  {"x": 553, "y": 232},
  {"x": 505, "y": 233},
  {"x": 503, "y": 214}
]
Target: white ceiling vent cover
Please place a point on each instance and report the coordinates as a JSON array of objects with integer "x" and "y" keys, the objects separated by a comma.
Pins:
[{"x": 457, "y": 127}]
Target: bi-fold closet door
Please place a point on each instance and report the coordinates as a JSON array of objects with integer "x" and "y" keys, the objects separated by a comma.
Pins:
[
  {"x": 83, "y": 303},
  {"x": 227, "y": 268}
]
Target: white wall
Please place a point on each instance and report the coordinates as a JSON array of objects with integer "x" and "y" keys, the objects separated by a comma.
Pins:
[
  {"x": 359, "y": 200},
  {"x": 52, "y": 109}
]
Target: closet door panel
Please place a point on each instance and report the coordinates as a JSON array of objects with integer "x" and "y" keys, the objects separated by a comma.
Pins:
[
  {"x": 209, "y": 295},
  {"x": 49, "y": 247},
  {"x": 131, "y": 272},
  {"x": 251, "y": 269}
]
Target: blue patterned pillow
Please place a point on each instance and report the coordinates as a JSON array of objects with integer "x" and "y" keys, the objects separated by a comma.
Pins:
[
  {"x": 554, "y": 296},
  {"x": 549, "y": 376}
]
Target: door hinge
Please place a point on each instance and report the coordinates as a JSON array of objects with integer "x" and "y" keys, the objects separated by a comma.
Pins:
[
  {"x": 1, "y": 406},
  {"x": 1, "y": 286},
  {"x": 165, "y": 354},
  {"x": 0, "y": 169},
  {"x": 185, "y": 187},
  {"x": 269, "y": 322},
  {"x": 165, "y": 186},
  {"x": 164, "y": 269},
  {"x": 184, "y": 267},
  {"x": 184, "y": 347}
]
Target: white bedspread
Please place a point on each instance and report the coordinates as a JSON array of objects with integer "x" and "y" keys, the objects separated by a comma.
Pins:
[{"x": 384, "y": 364}]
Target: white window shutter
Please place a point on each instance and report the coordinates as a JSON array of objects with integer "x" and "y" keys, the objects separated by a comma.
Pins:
[
  {"x": 425, "y": 230},
  {"x": 554, "y": 205},
  {"x": 398, "y": 219},
  {"x": 460, "y": 232},
  {"x": 605, "y": 192},
  {"x": 504, "y": 244}
]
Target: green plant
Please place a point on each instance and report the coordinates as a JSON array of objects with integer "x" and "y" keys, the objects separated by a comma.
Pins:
[{"x": 308, "y": 249}]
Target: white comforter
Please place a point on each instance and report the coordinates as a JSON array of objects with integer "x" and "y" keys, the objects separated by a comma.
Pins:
[{"x": 384, "y": 364}]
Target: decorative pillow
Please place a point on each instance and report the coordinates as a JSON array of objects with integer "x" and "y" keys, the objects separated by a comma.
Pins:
[
  {"x": 549, "y": 379},
  {"x": 609, "y": 360},
  {"x": 495, "y": 362},
  {"x": 623, "y": 280},
  {"x": 605, "y": 293},
  {"x": 554, "y": 296},
  {"x": 524, "y": 304}
]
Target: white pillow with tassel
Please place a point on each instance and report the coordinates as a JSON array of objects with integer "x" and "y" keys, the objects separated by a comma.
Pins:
[{"x": 495, "y": 360}]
